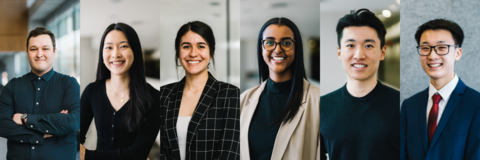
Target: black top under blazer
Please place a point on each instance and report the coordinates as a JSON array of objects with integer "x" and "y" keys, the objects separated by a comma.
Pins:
[{"x": 213, "y": 131}]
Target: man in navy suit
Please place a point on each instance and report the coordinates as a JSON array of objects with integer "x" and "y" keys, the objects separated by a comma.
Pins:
[{"x": 442, "y": 121}]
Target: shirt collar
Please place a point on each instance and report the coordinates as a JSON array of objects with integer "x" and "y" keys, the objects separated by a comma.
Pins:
[
  {"x": 446, "y": 90},
  {"x": 47, "y": 76}
]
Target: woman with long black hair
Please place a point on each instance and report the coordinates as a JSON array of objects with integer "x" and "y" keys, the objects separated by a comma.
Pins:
[
  {"x": 280, "y": 117},
  {"x": 124, "y": 105},
  {"x": 200, "y": 115}
]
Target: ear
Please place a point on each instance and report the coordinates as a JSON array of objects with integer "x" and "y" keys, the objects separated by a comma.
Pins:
[
  {"x": 458, "y": 54},
  {"x": 339, "y": 53},
  {"x": 382, "y": 56},
  {"x": 54, "y": 51}
]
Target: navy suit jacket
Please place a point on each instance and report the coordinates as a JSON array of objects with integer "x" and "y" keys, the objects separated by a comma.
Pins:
[{"x": 457, "y": 135}]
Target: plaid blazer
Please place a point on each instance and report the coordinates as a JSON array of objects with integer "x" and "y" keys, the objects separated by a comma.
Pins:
[{"x": 213, "y": 131}]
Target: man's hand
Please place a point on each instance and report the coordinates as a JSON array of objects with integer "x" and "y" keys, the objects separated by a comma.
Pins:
[
  {"x": 82, "y": 152},
  {"x": 47, "y": 135},
  {"x": 64, "y": 111},
  {"x": 17, "y": 117}
]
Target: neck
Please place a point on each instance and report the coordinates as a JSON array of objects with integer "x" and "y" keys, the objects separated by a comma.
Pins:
[
  {"x": 41, "y": 73},
  {"x": 281, "y": 77},
  {"x": 439, "y": 83},
  {"x": 120, "y": 82},
  {"x": 358, "y": 88},
  {"x": 196, "y": 82}
]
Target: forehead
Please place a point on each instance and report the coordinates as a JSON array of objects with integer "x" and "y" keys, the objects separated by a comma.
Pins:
[
  {"x": 359, "y": 33},
  {"x": 278, "y": 32},
  {"x": 191, "y": 36},
  {"x": 436, "y": 36},
  {"x": 40, "y": 40},
  {"x": 115, "y": 36}
]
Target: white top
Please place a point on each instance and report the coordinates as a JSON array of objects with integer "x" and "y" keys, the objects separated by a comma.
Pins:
[
  {"x": 445, "y": 93},
  {"x": 182, "y": 129}
]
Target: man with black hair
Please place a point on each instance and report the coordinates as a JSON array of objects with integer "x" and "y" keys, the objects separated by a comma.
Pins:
[
  {"x": 360, "y": 120},
  {"x": 442, "y": 121},
  {"x": 40, "y": 111}
]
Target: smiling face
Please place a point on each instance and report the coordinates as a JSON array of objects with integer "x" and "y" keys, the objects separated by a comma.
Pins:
[
  {"x": 360, "y": 52},
  {"x": 117, "y": 54},
  {"x": 278, "y": 60},
  {"x": 194, "y": 53},
  {"x": 40, "y": 54},
  {"x": 439, "y": 67}
]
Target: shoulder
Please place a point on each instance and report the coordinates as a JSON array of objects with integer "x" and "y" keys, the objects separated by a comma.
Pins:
[
  {"x": 415, "y": 98},
  {"x": 69, "y": 80},
  {"x": 169, "y": 86},
  {"x": 313, "y": 90},
  {"x": 332, "y": 95},
  {"x": 389, "y": 94},
  {"x": 227, "y": 89},
  {"x": 249, "y": 91},
  {"x": 153, "y": 91}
]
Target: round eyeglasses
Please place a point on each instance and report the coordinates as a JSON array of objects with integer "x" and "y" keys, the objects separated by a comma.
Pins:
[{"x": 285, "y": 44}]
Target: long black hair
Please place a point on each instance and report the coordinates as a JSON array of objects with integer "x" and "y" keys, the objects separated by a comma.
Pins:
[
  {"x": 140, "y": 98},
  {"x": 296, "y": 93},
  {"x": 199, "y": 28}
]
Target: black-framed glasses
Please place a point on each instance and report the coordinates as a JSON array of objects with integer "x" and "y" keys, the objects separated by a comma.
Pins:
[
  {"x": 442, "y": 49},
  {"x": 285, "y": 44}
]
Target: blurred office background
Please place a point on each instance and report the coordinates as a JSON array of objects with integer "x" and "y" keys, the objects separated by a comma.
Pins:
[
  {"x": 304, "y": 13},
  {"x": 333, "y": 76},
  {"x": 17, "y": 18},
  {"x": 223, "y": 16},
  {"x": 96, "y": 16}
]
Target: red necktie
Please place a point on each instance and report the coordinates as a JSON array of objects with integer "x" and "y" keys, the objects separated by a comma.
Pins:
[{"x": 432, "y": 117}]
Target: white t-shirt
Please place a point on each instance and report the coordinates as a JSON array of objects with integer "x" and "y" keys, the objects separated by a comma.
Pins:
[{"x": 182, "y": 129}]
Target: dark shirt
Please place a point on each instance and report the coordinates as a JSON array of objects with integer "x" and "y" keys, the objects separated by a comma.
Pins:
[
  {"x": 42, "y": 98},
  {"x": 114, "y": 140},
  {"x": 366, "y": 128},
  {"x": 263, "y": 132}
]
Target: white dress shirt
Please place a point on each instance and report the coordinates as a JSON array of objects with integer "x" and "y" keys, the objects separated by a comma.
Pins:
[
  {"x": 182, "y": 129},
  {"x": 445, "y": 93}
]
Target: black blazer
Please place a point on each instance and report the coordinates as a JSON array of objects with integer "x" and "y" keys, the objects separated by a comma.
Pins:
[{"x": 213, "y": 131}]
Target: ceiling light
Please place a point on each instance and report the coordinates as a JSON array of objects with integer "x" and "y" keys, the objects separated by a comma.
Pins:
[{"x": 386, "y": 13}]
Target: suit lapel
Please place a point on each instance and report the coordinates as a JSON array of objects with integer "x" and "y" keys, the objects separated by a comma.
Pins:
[
  {"x": 246, "y": 118},
  {"x": 422, "y": 118},
  {"x": 449, "y": 108},
  {"x": 172, "y": 115},
  {"x": 286, "y": 129},
  {"x": 209, "y": 92}
]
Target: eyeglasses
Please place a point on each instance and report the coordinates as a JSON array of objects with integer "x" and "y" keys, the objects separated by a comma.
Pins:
[
  {"x": 285, "y": 44},
  {"x": 425, "y": 50}
]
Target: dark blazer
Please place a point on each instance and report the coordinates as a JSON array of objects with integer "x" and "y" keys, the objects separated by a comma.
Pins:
[
  {"x": 457, "y": 135},
  {"x": 213, "y": 131}
]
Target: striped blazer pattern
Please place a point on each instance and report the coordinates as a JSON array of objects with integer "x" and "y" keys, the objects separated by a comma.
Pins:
[{"x": 213, "y": 131}]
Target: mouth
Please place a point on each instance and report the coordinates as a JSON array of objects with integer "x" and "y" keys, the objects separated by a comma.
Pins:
[
  {"x": 117, "y": 63},
  {"x": 40, "y": 60},
  {"x": 435, "y": 65},
  {"x": 278, "y": 59},
  {"x": 359, "y": 66},
  {"x": 193, "y": 62}
]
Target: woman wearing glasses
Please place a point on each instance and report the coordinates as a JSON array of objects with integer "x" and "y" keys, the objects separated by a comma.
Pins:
[
  {"x": 200, "y": 114},
  {"x": 280, "y": 117},
  {"x": 124, "y": 105}
]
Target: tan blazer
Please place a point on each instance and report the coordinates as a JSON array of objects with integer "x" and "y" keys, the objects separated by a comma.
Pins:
[{"x": 296, "y": 140}]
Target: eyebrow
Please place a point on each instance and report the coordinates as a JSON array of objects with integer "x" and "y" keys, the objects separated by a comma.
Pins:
[
  {"x": 191, "y": 43},
  {"x": 441, "y": 41},
  {"x": 119, "y": 43},
  {"x": 40, "y": 46},
  {"x": 353, "y": 40}
]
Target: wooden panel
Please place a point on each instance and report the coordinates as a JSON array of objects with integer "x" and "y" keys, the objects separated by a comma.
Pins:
[{"x": 13, "y": 25}]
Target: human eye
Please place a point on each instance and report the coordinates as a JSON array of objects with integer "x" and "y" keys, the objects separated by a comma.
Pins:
[
  {"x": 442, "y": 47},
  {"x": 269, "y": 43},
  {"x": 368, "y": 46},
  {"x": 186, "y": 47},
  {"x": 124, "y": 46},
  {"x": 350, "y": 45}
]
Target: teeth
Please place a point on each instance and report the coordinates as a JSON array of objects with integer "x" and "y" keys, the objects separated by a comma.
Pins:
[
  {"x": 117, "y": 62},
  {"x": 359, "y": 66},
  {"x": 278, "y": 58},
  {"x": 193, "y": 62},
  {"x": 434, "y": 65}
]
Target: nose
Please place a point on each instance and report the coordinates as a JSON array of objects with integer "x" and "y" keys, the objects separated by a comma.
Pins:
[
  {"x": 116, "y": 53},
  {"x": 194, "y": 52},
  {"x": 433, "y": 54},
  {"x": 40, "y": 53},
  {"x": 278, "y": 49},
  {"x": 359, "y": 53}
]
